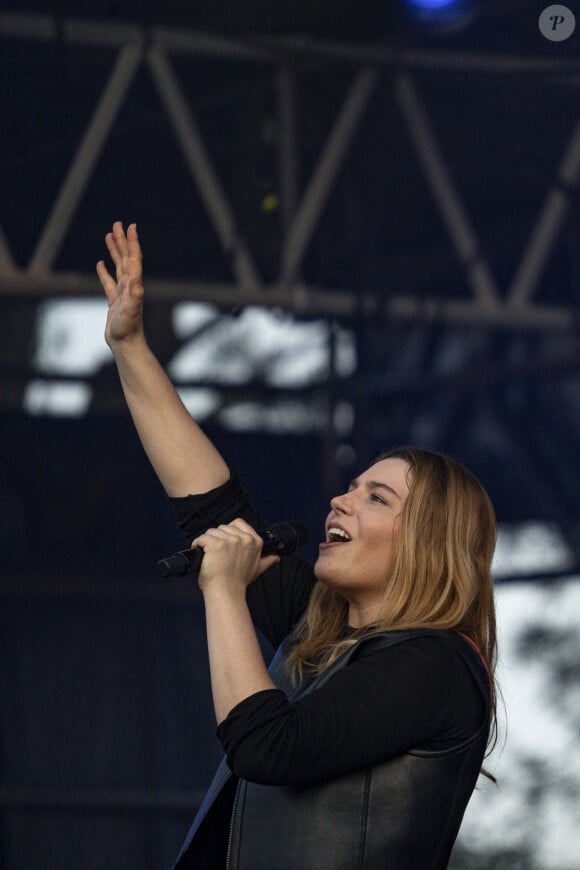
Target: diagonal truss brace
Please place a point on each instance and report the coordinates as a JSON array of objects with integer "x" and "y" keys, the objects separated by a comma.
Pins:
[
  {"x": 548, "y": 226},
  {"x": 83, "y": 165},
  {"x": 331, "y": 160},
  {"x": 7, "y": 264},
  {"x": 300, "y": 218},
  {"x": 463, "y": 236},
  {"x": 201, "y": 168}
]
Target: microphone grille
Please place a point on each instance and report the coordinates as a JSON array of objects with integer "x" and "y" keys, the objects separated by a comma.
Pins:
[{"x": 291, "y": 535}]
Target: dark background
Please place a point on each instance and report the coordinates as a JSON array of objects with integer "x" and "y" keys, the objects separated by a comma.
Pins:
[{"x": 106, "y": 729}]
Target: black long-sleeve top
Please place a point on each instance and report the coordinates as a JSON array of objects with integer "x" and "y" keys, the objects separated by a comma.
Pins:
[{"x": 415, "y": 695}]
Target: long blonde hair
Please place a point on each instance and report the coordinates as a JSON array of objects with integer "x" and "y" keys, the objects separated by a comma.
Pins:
[{"x": 441, "y": 578}]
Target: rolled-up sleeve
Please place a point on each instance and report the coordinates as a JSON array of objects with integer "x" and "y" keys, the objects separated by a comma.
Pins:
[
  {"x": 276, "y": 598},
  {"x": 197, "y": 513}
]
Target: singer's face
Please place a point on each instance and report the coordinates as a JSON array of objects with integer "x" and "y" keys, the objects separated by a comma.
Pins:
[{"x": 357, "y": 555}]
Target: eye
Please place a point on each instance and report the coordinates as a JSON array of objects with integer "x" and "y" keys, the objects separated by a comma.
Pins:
[{"x": 375, "y": 497}]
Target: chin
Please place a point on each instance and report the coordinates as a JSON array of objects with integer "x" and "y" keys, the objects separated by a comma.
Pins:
[
  {"x": 325, "y": 575},
  {"x": 322, "y": 573},
  {"x": 319, "y": 570}
]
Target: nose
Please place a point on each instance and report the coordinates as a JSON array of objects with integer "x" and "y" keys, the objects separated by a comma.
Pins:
[{"x": 341, "y": 504}]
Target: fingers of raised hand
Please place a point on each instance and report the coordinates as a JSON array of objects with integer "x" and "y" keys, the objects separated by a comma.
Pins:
[
  {"x": 124, "y": 249},
  {"x": 107, "y": 281},
  {"x": 120, "y": 239},
  {"x": 116, "y": 255},
  {"x": 113, "y": 241},
  {"x": 133, "y": 246}
]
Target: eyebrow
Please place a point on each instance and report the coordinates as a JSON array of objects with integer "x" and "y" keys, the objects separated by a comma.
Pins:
[{"x": 375, "y": 484}]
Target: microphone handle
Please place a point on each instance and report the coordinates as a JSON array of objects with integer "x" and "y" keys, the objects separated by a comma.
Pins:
[
  {"x": 181, "y": 563},
  {"x": 281, "y": 538}
]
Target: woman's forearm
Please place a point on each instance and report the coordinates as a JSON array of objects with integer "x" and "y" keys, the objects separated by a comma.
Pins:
[
  {"x": 237, "y": 666},
  {"x": 184, "y": 459}
]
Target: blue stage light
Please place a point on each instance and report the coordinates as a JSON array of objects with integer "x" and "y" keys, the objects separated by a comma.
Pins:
[
  {"x": 441, "y": 16},
  {"x": 432, "y": 5}
]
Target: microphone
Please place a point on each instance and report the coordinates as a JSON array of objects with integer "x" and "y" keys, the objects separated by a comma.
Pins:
[{"x": 280, "y": 539}]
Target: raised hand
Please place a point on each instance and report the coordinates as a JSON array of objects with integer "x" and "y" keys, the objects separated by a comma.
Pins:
[
  {"x": 184, "y": 459},
  {"x": 125, "y": 291}
]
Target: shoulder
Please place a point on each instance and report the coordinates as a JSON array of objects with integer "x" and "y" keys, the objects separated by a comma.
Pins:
[
  {"x": 417, "y": 682},
  {"x": 431, "y": 645},
  {"x": 414, "y": 692},
  {"x": 437, "y": 653},
  {"x": 438, "y": 666}
]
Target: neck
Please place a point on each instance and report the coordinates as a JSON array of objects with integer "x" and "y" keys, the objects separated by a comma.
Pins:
[{"x": 360, "y": 615}]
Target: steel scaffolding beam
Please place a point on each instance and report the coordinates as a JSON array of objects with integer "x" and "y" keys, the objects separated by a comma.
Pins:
[
  {"x": 300, "y": 217},
  {"x": 306, "y": 301}
]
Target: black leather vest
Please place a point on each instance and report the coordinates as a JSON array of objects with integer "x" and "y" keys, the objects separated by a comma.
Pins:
[{"x": 402, "y": 814}]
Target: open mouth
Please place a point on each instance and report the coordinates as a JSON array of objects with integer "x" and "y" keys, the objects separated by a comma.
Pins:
[{"x": 337, "y": 536}]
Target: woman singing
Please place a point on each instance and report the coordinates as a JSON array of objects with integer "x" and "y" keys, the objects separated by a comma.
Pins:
[{"x": 361, "y": 745}]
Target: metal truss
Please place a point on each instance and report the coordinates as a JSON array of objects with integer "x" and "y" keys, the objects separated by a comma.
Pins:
[
  {"x": 512, "y": 307},
  {"x": 392, "y": 388}
]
